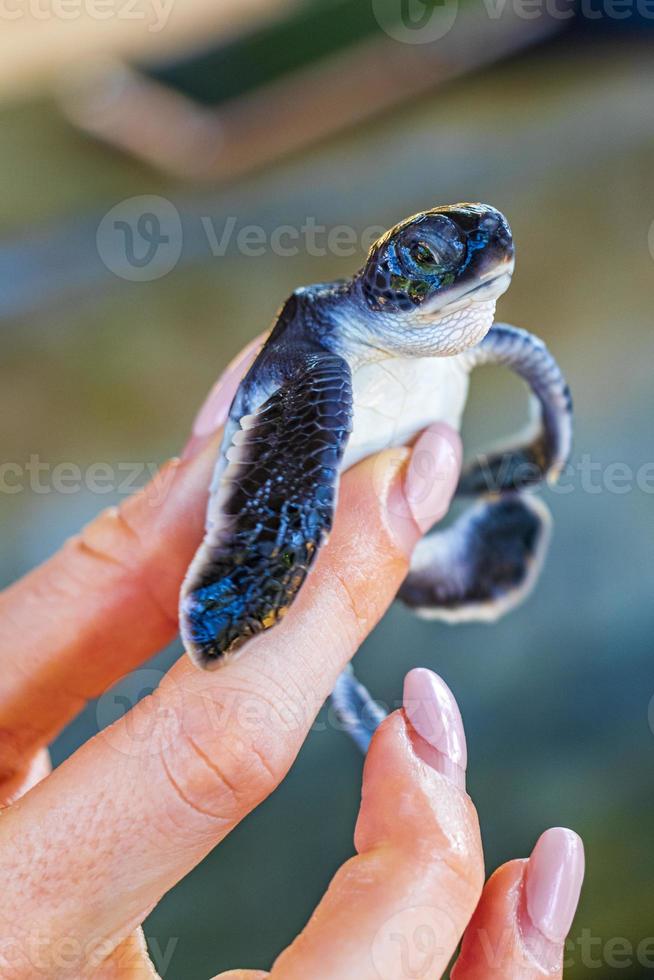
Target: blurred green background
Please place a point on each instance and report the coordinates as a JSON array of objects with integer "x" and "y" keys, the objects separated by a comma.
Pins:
[{"x": 556, "y": 697}]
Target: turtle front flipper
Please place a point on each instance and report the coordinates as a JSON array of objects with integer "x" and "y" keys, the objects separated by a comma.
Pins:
[
  {"x": 487, "y": 562},
  {"x": 273, "y": 510},
  {"x": 542, "y": 453}
]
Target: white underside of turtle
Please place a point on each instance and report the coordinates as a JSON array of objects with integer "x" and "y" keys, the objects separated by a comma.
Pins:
[{"x": 394, "y": 399}]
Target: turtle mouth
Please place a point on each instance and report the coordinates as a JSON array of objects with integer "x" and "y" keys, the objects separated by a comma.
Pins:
[
  {"x": 491, "y": 287},
  {"x": 488, "y": 288}
]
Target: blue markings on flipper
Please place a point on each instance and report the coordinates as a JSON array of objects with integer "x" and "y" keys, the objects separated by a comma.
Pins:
[
  {"x": 277, "y": 498},
  {"x": 210, "y": 609}
]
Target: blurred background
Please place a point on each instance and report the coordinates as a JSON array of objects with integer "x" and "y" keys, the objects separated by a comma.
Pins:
[{"x": 140, "y": 148}]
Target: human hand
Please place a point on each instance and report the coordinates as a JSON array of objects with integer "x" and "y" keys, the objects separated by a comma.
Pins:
[{"x": 89, "y": 849}]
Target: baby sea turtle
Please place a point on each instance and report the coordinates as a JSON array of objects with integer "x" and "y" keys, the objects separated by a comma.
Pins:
[{"x": 352, "y": 367}]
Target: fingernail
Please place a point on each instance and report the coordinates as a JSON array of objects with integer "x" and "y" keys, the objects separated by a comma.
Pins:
[
  {"x": 434, "y": 717},
  {"x": 432, "y": 474},
  {"x": 424, "y": 490},
  {"x": 552, "y": 885},
  {"x": 215, "y": 409}
]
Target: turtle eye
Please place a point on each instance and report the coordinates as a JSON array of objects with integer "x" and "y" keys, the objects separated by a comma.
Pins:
[
  {"x": 440, "y": 251},
  {"x": 422, "y": 255}
]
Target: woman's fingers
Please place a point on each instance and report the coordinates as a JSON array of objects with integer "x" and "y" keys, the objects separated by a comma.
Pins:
[
  {"x": 525, "y": 913},
  {"x": 398, "y": 909},
  {"x": 108, "y": 599},
  {"x": 137, "y": 807}
]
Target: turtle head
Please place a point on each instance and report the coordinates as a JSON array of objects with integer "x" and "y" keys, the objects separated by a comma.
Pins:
[{"x": 435, "y": 277}]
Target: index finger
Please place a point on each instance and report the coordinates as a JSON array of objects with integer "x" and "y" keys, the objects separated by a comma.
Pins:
[
  {"x": 137, "y": 807},
  {"x": 108, "y": 599}
]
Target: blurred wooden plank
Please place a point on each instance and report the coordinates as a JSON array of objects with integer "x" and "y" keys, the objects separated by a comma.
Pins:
[
  {"x": 170, "y": 132},
  {"x": 571, "y": 119},
  {"x": 41, "y": 38}
]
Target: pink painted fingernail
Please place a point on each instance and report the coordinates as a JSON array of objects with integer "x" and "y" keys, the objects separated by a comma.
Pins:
[
  {"x": 552, "y": 885},
  {"x": 423, "y": 489},
  {"x": 432, "y": 474},
  {"x": 434, "y": 716},
  {"x": 216, "y": 406}
]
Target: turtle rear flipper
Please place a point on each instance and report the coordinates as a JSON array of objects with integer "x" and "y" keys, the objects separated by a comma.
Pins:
[
  {"x": 482, "y": 566},
  {"x": 271, "y": 510}
]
